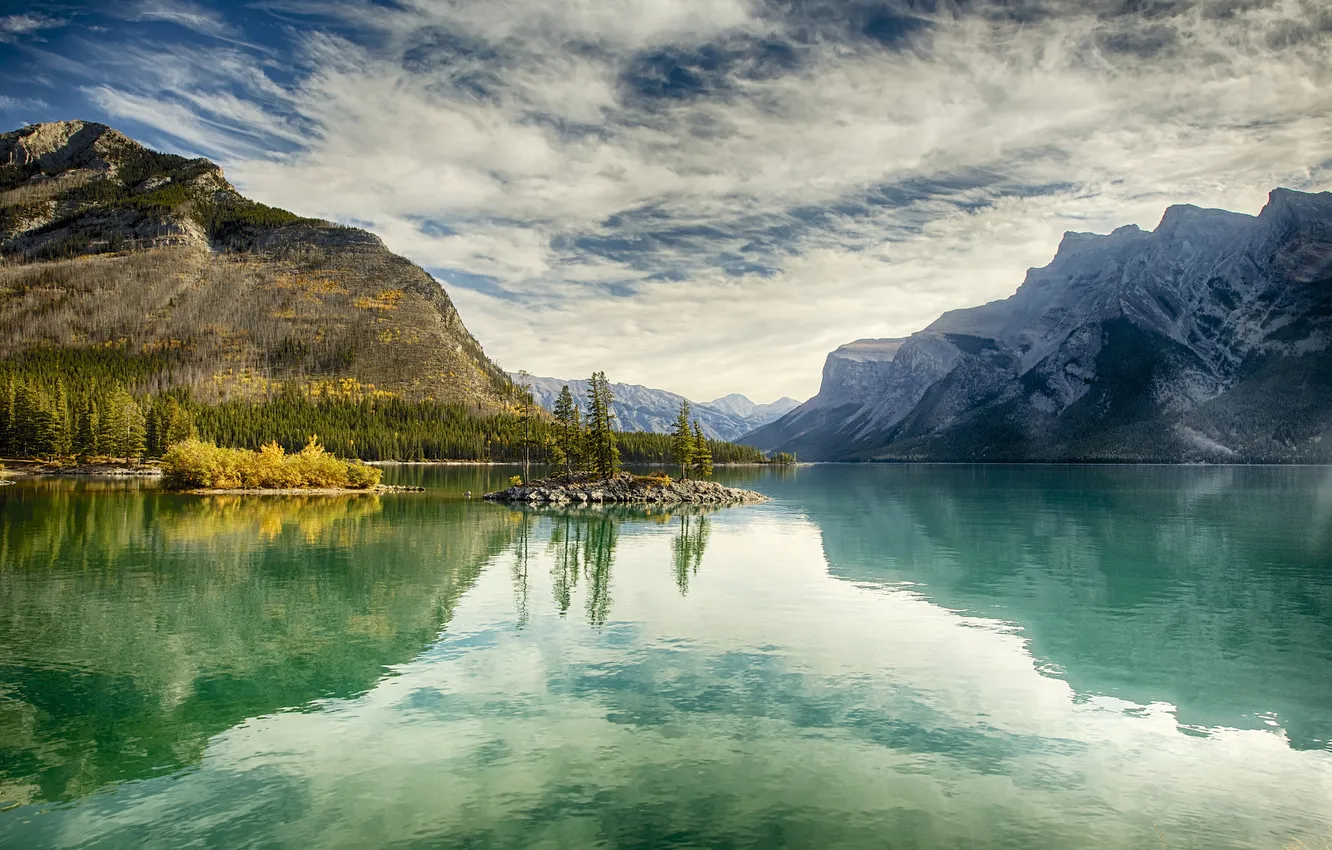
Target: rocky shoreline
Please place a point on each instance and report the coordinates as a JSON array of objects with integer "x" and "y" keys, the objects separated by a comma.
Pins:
[
  {"x": 625, "y": 488},
  {"x": 304, "y": 491},
  {"x": 102, "y": 470}
]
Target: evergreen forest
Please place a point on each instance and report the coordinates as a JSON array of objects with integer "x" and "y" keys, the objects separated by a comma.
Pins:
[{"x": 62, "y": 403}]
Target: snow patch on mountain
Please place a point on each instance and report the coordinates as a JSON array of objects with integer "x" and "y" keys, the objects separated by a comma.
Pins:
[{"x": 1173, "y": 344}]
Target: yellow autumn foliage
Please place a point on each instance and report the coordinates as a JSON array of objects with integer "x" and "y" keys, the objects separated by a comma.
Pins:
[{"x": 198, "y": 465}]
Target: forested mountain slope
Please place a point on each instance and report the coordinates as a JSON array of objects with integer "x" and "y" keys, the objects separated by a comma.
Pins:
[
  {"x": 1204, "y": 340},
  {"x": 106, "y": 246}
]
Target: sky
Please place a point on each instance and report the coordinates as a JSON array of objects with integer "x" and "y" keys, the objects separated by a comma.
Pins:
[{"x": 704, "y": 196}]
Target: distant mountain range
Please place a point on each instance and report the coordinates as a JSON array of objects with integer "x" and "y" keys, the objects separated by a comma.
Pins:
[
  {"x": 639, "y": 408},
  {"x": 1207, "y": 339},
  {"x": 106, "y": 245}
]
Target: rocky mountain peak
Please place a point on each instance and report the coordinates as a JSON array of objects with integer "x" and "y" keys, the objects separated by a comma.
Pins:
[
  {"x": 1309, "y": 212},
  {"x": 1186, "y": 221},
  {"x": 1209, "y": 338},
  {"x": 869, "y": 350},
  {"x": 79, "y": 187},
  {"x": 61, "y": 145},
  {"x": 56, "y": 148},
  {"x": 1076, "y": 244},
  {"x": 734, "y": 403},
  {"x": 120, "y": 245},
  {"x": 1284, "y": 200}
]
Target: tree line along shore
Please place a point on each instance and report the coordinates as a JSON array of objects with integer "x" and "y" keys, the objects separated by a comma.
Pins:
[{"x": 80, "y": 406}]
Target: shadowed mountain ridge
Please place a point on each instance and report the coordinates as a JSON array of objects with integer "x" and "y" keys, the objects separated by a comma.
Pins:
[{"x": 1207, "y": 339}]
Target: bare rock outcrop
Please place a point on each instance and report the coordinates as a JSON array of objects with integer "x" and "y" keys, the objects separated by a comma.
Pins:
[{"x": 625, "y": 488}]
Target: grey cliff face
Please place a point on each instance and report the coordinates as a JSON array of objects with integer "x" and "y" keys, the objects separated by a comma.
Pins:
[{"x": 1205, "y": 339}]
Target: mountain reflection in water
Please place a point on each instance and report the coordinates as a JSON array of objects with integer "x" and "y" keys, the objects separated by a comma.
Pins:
[
  {"x": 1012, "y": 657},
  {"x": 136, "y": 625}
]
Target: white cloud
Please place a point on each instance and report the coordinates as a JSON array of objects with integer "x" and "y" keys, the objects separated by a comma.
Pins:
[
  {"x": 186, "y": 14},
  {"x": 517, "y": 126},
  {"x": 26, "y": 24},
  {"x": 7, "y": 102}
]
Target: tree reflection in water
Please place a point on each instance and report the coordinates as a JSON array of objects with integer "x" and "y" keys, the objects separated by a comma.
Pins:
[
  {"x": 566, "y": 541},
  {"x": 582, "y": 546},
  {"x": 522, "y": 554},
  {"x": 580, "y": 540},
  {"x": 687, "y": 547}
]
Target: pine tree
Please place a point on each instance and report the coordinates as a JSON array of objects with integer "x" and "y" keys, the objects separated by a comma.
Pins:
[
  {"x": 84, "y": 441},
  {"x": 526, "y": 403},
  {"x": 682, "y": 440},
  {"x": 155, "y": 439},
  {"x": 177, "y": 423},
  {"x": 167, "y": 423},
  {"x": 702, "y": 457},
  {"x": 62, "y": 423},
  {"x": 48, "y": 428},
  {"x": 6, "y": 415},
  {"x": 569, "y": 431},
  {"x": 23, "y": 429},
  {"x": 135, "y": 436},
  {"x": 110, "y": 425},
  {"x": 122, "y": 429},
  {"x": 603, "y": 451}
]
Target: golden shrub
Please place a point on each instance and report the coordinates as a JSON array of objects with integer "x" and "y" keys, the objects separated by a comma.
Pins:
[{"x": 197, "y": 465}]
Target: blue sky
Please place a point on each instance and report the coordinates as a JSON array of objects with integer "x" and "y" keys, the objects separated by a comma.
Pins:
[{"x": 704, "y": 195}]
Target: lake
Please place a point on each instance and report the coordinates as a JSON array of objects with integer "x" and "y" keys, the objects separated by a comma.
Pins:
[{"x": 880, "y": 656}]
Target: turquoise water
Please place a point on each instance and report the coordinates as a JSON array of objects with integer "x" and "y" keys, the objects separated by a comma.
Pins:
[{"x": 887, "y": 656}]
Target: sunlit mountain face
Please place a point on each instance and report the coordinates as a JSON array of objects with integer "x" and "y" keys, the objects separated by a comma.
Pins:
[{"x": 704, "y": 196}]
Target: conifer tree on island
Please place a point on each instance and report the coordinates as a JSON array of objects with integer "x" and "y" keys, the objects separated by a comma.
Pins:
[
  {"x": 682, "y": 440},
  {"x": 568, "y": 445},
  {"x": 702, "y": 454},
  {"x": 603, "y": 452},
  {"x": 526, "y": 402}
]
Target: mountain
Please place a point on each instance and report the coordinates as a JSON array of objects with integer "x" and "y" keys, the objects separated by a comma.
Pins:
[
  {"x": 639, "y": 408},
  {"x": 1206, "y": 339},
  {"x": 107, "y": 245},
  {"x": 760, "y": 414}
]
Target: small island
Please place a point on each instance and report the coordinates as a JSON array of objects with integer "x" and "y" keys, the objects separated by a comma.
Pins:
[
  {"x": 588, "y": 449},
  {"x": 625, "y": 488}
]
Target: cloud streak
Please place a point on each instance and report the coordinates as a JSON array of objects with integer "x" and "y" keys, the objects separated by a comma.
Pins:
[
  {"x": 14, "y": 27},
  {"x": 7, "y": 103},
  {"x": 183, "y": 13},
  {"x": 709, "y": 196}
]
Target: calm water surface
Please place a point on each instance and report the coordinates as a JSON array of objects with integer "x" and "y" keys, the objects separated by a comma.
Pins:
[{"x": 889, "y": 657}]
